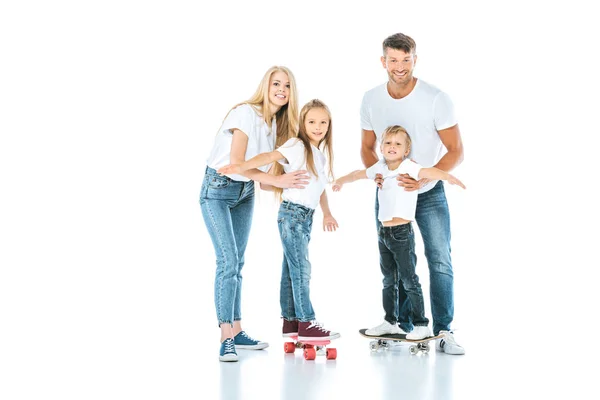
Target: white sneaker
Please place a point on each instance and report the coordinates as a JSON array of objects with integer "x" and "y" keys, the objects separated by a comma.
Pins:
[
  {"x": 385, "y": 328},
  {"x": 419, "y": 332},
  {"x": 448, "y": 345}
]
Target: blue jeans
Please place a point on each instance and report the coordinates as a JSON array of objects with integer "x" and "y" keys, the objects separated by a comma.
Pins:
[
  {"x": 227, "y": 208},
  {"x": 398, "y": 262},
  {"x": 433, "y": 219},
  {"x": 295, "y": 225}
]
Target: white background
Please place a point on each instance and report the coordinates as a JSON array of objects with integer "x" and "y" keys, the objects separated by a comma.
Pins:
[{"x": 107, "y": 114}]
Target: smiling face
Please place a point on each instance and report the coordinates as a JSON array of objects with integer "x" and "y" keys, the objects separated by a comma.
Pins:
[
  {"x": 316, "y": 124},
  {"x": 395, "y": 146},
  {"x": 399, "y": 65},
  {"x": 279, "y": 90}
]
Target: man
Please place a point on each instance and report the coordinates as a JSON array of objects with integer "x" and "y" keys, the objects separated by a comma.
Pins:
[{"x": 427, "y": 114}]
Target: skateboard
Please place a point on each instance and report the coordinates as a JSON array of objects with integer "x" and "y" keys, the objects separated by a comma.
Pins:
[
  {"x": 312, "y": 348},
  {"x": 383, "y": 341}
]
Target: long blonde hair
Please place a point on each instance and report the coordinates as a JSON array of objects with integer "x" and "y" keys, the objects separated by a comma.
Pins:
[{"x": 325, "y": 144}]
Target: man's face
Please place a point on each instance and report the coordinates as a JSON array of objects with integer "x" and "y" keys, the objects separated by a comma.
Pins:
[{"x": 399, "y": 65}]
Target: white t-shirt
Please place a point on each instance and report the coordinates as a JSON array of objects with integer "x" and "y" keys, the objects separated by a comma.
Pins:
[
  {"x": 260, "y": 138},
  {"x": 425, "y": 111},
  {"x": 295, "y": 159},
  {"x": 394, "y": 201}
]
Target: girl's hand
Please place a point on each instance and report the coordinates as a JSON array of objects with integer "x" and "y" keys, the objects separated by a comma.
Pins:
[
  {"x": 230, "y": 169},
  {"x": 336, "y": 187},
  {"x": 297, "y": 179},
  {"x": 455, "y": 181},
  {"x": 329, "y": 223}
]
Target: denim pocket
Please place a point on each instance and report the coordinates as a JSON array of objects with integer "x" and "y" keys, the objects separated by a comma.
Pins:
[
  {"x": 400, "y": 233},
  {"x": 217, "y": 182}
]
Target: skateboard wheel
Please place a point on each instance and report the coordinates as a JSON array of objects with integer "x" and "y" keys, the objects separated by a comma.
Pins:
[
  {"x": 374, "y": 346},
  {"x": 413, "y": 350},
  {"x": 289, "y": 347},
  {"x": 309, "y": 353},
  {"x": 331, "y": 354}
]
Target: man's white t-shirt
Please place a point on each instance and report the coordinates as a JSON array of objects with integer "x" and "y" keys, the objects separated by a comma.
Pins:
[
  {"x": 261, "y": 139},
  {"x": 394, "y": 201},
  {"x": 423, "y": 112},
  {"x": 295, "y": 159}
]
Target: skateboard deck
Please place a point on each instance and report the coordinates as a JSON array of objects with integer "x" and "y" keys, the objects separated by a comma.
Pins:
[
  {"x": 383, "y": 341},
  {"x": 312, "y": 348}
]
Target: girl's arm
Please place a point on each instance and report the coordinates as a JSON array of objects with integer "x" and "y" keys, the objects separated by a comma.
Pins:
[
  {"x": 437, "y": 174},
  {"x": 351, "y": 177},
  {"x": 329, "y": 223},
  {"x": 297, "y": 179}
]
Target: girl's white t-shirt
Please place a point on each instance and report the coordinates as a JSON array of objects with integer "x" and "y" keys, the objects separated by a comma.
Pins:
[
  {"x": 394, "y": 201},
  {"x": 261, "y": 139},
  {"x": 295, "y": 159}
]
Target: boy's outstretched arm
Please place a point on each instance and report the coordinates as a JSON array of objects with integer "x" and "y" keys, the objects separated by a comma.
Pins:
[
  {"x": 329, "y": 223},
  {"x": 437, "y": 174},
  {"x": 351, "y": 177}
]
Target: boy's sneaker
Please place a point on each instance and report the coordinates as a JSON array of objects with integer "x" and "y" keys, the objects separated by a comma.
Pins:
[
  {"x": 227, "y": 352},
  {"x": 314, "y": 331},
  {"x": 448, "y": 345},
  {"x": 290, "y": 328},
  {"x": 243, "y": 341},
  {"x": 385, "y": 328},
  {"x": 419, "y": 332}
]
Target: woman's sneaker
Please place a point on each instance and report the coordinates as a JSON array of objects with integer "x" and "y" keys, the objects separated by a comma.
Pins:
[
  {"x": 290, "y": 328},
  {"x": 385, "y": 328},
  {"x": 243, "y": 341},
  {"x": 419, "y": 332},
  {"x": 227, "y": 352},
  {"x": 448, "y": 345},
  {"x": 313, "y": 330}
]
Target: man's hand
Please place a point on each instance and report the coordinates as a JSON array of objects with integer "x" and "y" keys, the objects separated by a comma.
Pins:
[
  {"x": 329, "y": 223},
  {"x": 410, "y": 184},
  {"x": 379, "y": 180}
]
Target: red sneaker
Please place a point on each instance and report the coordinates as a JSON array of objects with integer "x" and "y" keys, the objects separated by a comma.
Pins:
[
  {"x": 314, "y": 331},
  {"x": 290, "y": 328}
]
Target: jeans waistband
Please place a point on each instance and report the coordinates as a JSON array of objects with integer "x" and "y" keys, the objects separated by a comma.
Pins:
[{"x": 293, "y": 206}]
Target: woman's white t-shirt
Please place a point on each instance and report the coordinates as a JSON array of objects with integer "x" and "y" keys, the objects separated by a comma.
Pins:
[
  {"x": 394, "y": 201},
  {"x": 261, "y": 139},
  {"x": 295, "y": 159}
]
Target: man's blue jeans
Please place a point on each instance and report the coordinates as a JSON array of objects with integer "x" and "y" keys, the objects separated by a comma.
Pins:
[
  {"x": 227, "y": 208},
  {"x": 295, "y": 225},
  {"x": 433, "y": 219}
]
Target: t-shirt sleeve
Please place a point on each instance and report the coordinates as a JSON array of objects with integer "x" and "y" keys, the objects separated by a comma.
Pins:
[
  {"x": 293, "y": 151},
  {"x": 411, "y": 168},
  {"x": 241, "y": 117},
  {"x": 443, "y": 112},
  {"x": 375, "y": 169},
  {"x": 365, "y": 114}
]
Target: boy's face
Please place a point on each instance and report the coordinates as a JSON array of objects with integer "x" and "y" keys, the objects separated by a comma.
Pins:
[{"x": 394, "y": 147}]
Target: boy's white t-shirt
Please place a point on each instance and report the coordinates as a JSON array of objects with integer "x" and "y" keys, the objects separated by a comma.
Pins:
[
  {"x": 295, "y": 159},
  {"x": 260, "y": 138},
  {"x": 423, "y": 112},
  {"x": 394, "y": 201}
]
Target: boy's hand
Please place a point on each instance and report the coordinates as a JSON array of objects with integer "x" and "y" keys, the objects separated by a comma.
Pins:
[
  {"x": 329, "y": 223},
  {"x": 230, "y": 169},
  {"x": 336, "y": 187},
  {"x": 455, "y": 181}
]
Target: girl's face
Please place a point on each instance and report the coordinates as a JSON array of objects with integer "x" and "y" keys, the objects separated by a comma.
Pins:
[
  {"x": 279, "y": 89},
  {"x": 394, "y": 147},
  {"x": 316, "y": 124}
]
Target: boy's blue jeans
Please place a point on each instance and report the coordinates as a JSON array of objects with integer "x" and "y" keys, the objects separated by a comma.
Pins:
[
  {"x": 295, "y": 225},
  {"x": 227, "y": 208},
  {"x": 433, "y": 219}
]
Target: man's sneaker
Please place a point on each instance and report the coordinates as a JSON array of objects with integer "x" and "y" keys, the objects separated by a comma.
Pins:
[
  {"x": 290, "y": 328},
  {"x": 227, "y": 352},
  {"x": 243, "y": 341},
  {"x": 385, "y": 328},
  {"x": 419, "y": 332},
  {"x": 314, "y": 331},
  {"x": 448, "y": 345}
]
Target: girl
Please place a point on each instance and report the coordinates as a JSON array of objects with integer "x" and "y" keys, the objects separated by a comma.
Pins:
[
  {"x": 296, "y": 215},
  {"x": 267, "y": 119},
  {"x": 396, "y": 237}
]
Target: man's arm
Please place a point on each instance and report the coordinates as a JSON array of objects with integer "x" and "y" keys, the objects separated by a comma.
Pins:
[{"x": 368, "y": 153}]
